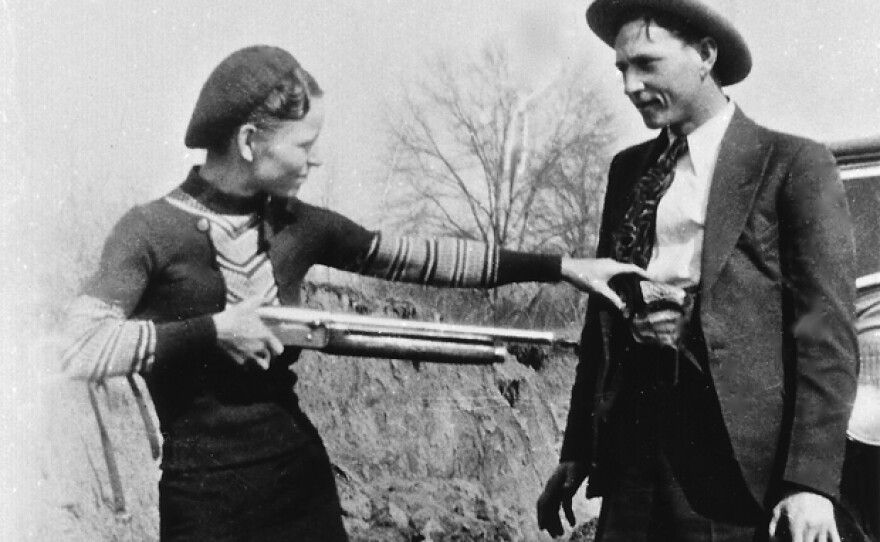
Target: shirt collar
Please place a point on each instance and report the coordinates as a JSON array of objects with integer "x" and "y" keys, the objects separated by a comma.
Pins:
[
  {"x": 221, "y": 202},
  {"x": 704, "y": 142}
]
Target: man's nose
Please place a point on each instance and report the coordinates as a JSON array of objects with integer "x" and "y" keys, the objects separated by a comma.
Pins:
[{"x": 632, "y": 83}]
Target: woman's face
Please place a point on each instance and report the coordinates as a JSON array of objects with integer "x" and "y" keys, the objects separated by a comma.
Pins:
[{"x": 284, "y": 153}]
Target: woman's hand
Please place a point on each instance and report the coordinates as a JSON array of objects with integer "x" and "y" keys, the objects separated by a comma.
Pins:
[
  {"x": 241, "y": 332},
  {"x": 592, "y": 275}
]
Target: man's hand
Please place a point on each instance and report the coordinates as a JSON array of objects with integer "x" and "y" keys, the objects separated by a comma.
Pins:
[
  {"x": 244, "y": 336},
  {"x": 592, "y": 275},
  {"x": 558, "y": 492},
  {"x": 809, "y": 518}
]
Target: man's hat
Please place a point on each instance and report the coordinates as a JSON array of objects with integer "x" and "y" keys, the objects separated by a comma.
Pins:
[
  {"x": 237, "y": 86},
  {"x": 734, "y": 59}
]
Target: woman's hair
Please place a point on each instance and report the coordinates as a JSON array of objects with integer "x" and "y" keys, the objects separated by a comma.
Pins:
[{"x": 289, "y": 100}]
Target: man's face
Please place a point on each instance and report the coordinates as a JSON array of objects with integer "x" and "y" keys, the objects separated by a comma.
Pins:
[
  {"x": 661, "y": 75},
  {"x": 285, "y": 153}
]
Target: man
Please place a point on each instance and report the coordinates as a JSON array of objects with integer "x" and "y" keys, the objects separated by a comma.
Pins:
[
  {"x": 176, "y": 294},
  {"x": 719, "y": 411}
]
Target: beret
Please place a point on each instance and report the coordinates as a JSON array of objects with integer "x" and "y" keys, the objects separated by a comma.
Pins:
[
  {"x": 239, "y": 84},
  {"x": 734, "y": 58}
]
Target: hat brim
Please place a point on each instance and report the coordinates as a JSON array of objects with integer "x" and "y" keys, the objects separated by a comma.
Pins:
[{"x": 734, "y": 58}]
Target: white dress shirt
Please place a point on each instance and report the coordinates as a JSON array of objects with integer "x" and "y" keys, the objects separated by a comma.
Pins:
[{"x": 681, "y": 215}]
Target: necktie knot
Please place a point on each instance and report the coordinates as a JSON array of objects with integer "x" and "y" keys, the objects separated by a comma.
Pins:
[{"x": 676, "y": 150}]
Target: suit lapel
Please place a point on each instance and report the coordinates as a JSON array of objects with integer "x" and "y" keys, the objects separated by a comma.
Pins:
[{"x": 738, "y": 174}]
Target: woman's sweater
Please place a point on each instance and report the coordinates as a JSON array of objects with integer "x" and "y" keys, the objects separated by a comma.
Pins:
[{"x": 169, "y": 265}]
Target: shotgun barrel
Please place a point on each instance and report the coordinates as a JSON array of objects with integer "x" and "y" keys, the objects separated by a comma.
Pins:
[{"x": 378, "y": 337}]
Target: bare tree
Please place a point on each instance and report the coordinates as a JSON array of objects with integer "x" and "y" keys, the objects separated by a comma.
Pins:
[
  {"x": 571, "y": 166},
  {"x": 473, "y": 154}
]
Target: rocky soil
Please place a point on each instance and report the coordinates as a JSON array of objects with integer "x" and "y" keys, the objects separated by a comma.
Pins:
[{"x": 422, "y": 451}]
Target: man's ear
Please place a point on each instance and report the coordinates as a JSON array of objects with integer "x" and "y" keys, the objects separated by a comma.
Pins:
[
  {"x": 708, "y": 49},
  {"x": 244, "y": 141}
]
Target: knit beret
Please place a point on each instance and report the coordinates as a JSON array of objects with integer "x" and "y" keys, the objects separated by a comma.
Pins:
[{"x": 239, "y": 84}]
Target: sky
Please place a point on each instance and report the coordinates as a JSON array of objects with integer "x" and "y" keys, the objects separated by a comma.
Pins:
[
  {"x": 95, "y": 96},
  {"x": 103, "y": 89}
]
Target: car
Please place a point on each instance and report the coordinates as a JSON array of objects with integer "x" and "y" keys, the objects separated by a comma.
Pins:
[{"x": 859, "y": 165}]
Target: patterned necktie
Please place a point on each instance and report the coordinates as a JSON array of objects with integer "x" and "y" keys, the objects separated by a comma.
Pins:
[{"x": 634, "y": 239}]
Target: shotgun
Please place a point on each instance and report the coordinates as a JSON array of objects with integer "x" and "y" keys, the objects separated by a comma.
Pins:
[{"x": 377, "y": 337}]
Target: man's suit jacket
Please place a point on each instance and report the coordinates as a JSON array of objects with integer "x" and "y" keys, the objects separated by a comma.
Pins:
[{"x": 775, "y": 308}]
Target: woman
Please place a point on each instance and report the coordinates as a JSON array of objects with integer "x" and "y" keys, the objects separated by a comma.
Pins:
[{"x": 179, "y": 283}]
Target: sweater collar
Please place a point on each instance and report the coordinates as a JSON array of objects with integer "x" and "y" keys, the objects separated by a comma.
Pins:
[{"x": 221, "y": 202}]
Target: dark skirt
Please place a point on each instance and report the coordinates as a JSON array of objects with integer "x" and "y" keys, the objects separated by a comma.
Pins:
[{"x": 288, "y": 498}]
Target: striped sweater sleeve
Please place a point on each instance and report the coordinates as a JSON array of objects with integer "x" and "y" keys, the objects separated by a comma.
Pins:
[
  {"x": 100, "y": 342},
  {"x": 455, "y": 263},
  {"x": 443, "y": 261},
  {"x": 101, "y": 336}
]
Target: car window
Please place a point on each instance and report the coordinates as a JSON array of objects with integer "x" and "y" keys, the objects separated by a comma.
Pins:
[{"x": 859, "y": 163}]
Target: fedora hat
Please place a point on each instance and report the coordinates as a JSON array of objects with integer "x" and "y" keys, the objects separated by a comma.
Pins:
[{"x": 734, "y": 59}]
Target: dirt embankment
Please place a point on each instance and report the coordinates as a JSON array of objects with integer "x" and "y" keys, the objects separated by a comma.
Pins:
[{"x": 422, "y": 451}]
